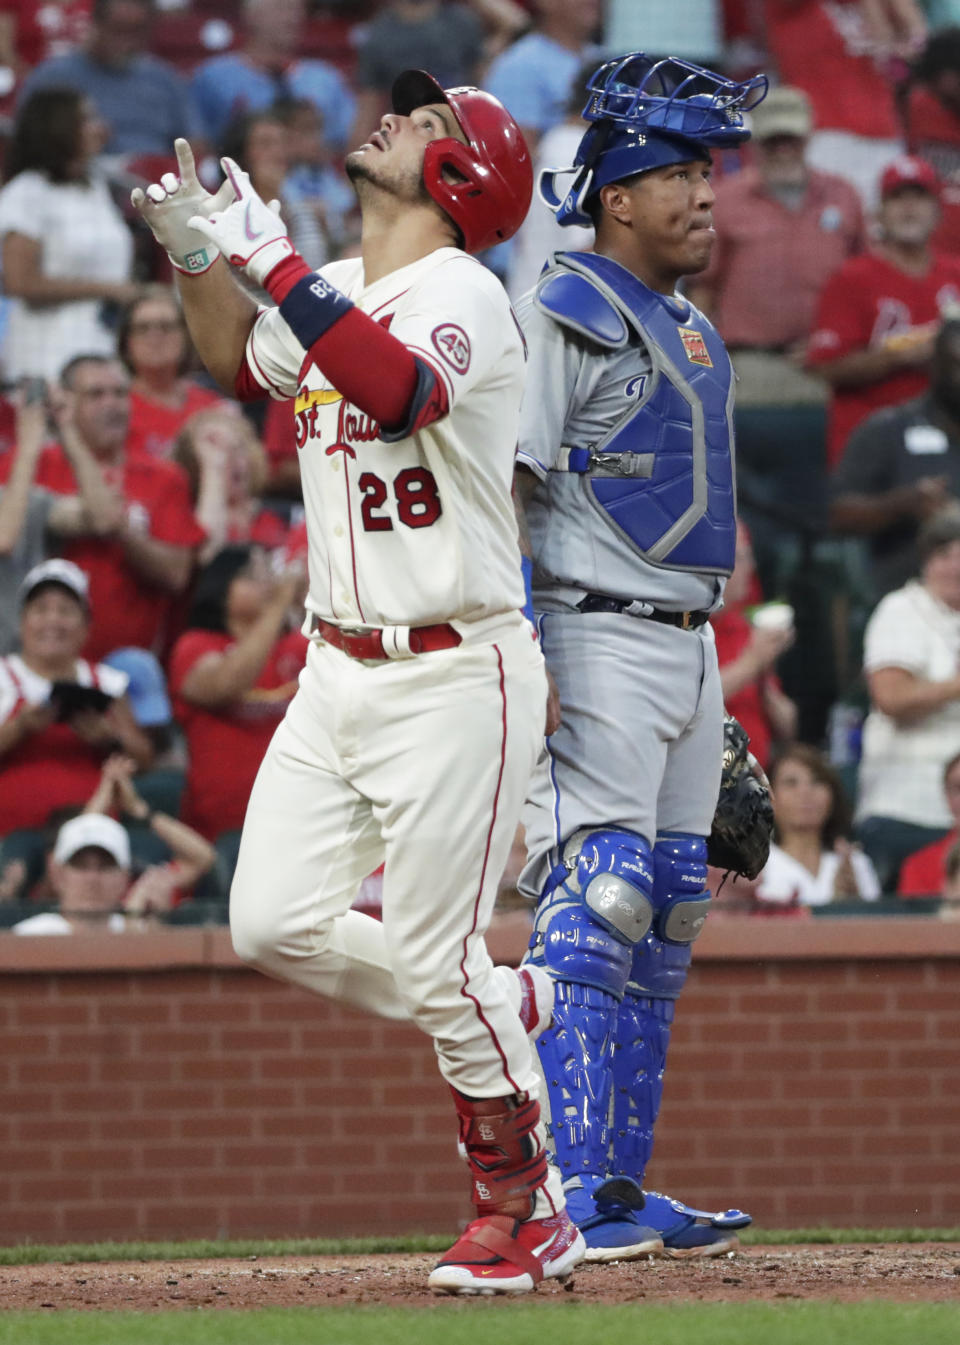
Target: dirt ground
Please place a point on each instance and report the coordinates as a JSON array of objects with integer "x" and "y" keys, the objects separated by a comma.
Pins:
[{"x": 914, "y": 1272}]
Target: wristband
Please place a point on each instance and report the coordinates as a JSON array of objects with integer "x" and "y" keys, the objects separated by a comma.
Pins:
[
  {"x": 312, "y": 307},
  {"x": 195, "y": 262},
  {"x": 526, "y": 569}
]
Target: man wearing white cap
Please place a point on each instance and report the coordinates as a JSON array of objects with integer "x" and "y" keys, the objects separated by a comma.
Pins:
[
  {"x": 89, "y": 872},
  {"x": 61, "y": 715}
]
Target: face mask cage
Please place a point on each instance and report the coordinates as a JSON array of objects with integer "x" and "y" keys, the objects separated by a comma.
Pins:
[{"x": 672, "y": 95}]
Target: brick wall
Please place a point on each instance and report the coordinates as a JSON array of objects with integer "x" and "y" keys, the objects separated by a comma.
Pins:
[{"x": 153, "y": 1087}]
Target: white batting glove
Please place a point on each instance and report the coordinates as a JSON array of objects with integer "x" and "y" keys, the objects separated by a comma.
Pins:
[
  {"x": 170, "y": 204},
  {"x": 249, "y": 233}
]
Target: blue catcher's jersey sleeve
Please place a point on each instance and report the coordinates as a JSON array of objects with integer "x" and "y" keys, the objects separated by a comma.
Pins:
[{"x": 553, "y": 368}]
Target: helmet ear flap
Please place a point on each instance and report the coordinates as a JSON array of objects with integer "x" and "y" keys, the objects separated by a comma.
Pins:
[{"x": 485, "y": 185}]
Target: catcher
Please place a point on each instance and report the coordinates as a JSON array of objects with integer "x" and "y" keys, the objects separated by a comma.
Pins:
[{"x": 626, "y": 484}]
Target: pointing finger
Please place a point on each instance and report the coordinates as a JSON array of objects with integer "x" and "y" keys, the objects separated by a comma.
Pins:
[{"x": 188, "y": 169}]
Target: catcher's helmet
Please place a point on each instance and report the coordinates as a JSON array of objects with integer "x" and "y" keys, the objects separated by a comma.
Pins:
[
  {"x": 648, "y": 113},
  {"x": 485, "y": 186}
]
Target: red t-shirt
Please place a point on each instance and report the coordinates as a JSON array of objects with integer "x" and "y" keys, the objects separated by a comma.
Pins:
[
  {"x": 53, "y": 768},
  {"x": 279, "y": 432},
  {"x": 126, "y": 609},
  {"x": 862, "y": 305},
  {"x": 44, "y": 30},
  {"x": 226, "y": 745},
  {"x": 924, "y": 872},
  {"x": 933, "y": 133},
  {"x": 732, "y": 631},
  {"x": 822, "y": 48},
  {"x": 154, "y": 427},
  {"x": 267, "y": 530}
]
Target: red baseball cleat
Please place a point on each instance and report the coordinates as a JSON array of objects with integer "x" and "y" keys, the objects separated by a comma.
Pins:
[{"x": 499, "y": 1255}]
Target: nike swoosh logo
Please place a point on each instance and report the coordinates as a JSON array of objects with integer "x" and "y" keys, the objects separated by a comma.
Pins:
[{"x": 246, "y": 224}]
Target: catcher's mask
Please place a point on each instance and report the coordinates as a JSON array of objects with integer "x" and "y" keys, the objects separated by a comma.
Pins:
[
  {"x": 646, "y": 114},
  {"x": 486, "y": 185}
]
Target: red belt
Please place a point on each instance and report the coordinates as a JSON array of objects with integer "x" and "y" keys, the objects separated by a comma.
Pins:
[{"x": 423, "y": 640}]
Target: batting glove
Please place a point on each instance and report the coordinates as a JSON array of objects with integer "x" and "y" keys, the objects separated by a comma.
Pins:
[
  {"x": 170, "y": 205},
  {"x": 249, "y": 233}
]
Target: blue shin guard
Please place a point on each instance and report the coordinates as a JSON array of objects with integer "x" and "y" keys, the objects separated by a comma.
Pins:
[
  {"x": 576, "y": 1057},
  {"x": 586, "y": 928},
  {"x": 641, "y": 1039}
]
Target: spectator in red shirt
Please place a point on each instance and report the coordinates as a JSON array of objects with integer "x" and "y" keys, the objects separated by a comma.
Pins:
[
  {"x": 136, "y": 571},
  {"x": 879, "y": 314},
  {"x": 153, "y": 342},
  {"x": 55, "y": 730},
  {"x": 747, "y": 655},
  {"x": 233, "y": 674},
  {"x": 32, "y": 32},
  {"x": 924, "y": 873},
  {"x": 843, "y": 54},
  {"x": 782, "y": 229},
  {"x": 227, "y": 470},
  {"x": 280, "y": 443}
]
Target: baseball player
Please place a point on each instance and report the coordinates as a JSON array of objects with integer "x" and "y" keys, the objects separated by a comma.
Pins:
[
  {"x": 626, "y": 471},
  {"x": 420, "y": 712}
]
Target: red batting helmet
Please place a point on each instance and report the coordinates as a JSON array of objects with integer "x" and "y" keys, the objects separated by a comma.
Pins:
[{"x": 484, "y": 186}]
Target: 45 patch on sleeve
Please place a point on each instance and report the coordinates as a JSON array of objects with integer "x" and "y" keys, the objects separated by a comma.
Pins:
[{"x": 453, "y": 345}]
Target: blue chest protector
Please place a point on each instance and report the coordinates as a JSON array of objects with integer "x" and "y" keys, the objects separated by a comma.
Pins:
[{"x": 664, "y": 473}]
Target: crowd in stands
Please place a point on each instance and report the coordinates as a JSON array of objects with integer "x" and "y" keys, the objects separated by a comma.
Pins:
[{"x": 152, "y": 548}]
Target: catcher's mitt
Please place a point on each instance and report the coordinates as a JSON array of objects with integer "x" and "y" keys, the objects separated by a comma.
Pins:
[{"x": 739, "y": 840}]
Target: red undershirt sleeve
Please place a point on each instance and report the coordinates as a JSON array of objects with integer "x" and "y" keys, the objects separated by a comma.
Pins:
[{"x": 372, "y": 369}]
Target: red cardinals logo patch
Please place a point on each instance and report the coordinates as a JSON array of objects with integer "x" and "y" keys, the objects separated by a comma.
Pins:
[
  {"x": 695, "y": 346},
  {"x": 453, "y": 344}
]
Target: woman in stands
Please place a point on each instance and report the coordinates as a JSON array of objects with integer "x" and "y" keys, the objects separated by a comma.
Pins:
[
  {"x": 232, "y": 674},
  {"x": 153, "y": 342},
  {"x": 912, "y": 666},
  {"x": 60, "y": 716},
  {"x": 227, "y": 469},
  {"x": 67, "y": 252},
  {"x": 812, "y": 861}
]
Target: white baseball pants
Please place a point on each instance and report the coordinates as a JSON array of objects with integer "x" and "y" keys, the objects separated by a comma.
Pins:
[{"x": 422, "y": 763}]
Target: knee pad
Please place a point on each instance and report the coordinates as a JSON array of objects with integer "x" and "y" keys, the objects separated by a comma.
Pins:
[
  {"x": 597, "y": 905},
  {"x": 662, "y": 959},
  {"x": 680, "y": 886}
]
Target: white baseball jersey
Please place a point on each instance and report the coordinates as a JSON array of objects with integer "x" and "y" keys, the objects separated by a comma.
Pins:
[{"x": 422, "y": 530}]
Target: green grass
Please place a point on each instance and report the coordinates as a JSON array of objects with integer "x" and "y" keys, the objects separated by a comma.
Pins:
[
  {"x": 35, "y": 1254},
  {"x": 477, "y": 1322}
]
